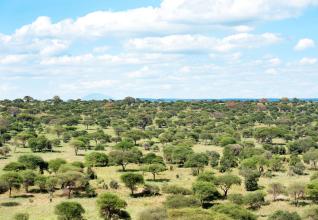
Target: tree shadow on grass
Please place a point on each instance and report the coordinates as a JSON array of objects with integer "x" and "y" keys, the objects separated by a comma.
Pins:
[
  {"x": 9, "y": 204},
  {"x": 158, "y": 180},
  {"x": 24, "y": 196},
  {"x": 128, "y": 170}
]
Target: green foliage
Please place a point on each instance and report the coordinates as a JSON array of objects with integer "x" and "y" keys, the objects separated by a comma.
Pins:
[
  {"x": 205, "y": 191},
  {"x": 110, "y": 205},
  {"x": 284, "y": 215},
  {"x": 96, "y": 159},
  {"x": 255, "y": 199},
  {"x": 236, "y": 212},
  {"x": 69, "y": 211},
  {"x": 154, "y": 169},
  {"x": 132, "y": 180},
  {"x": 175, "y": 189},
  {"x": 153, "y": 213},
  {"x": 55, "y": 164},
  {"x": 225, "y": 182},
  {"x": 181, "y": 201},
  {"x": 12, "y": 180},
  {"x": 21, "y": 216},
  {"x": 195, "y": 214}
]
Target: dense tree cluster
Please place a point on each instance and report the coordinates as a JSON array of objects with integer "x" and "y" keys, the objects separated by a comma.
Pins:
[{"x": 258, "y": 140}]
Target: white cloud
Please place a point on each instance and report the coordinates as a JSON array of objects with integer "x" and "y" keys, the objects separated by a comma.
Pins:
[
  {"x": 174, "y": 16},
  {"x": 308, "y": 61},
  {"x": 271, "y": 71},
  {"x": 304, "y": 44},
  {"x": 274, "y": 61},
  {"x": 12, "y": 59},
  {"x": 195, "y": 43}
]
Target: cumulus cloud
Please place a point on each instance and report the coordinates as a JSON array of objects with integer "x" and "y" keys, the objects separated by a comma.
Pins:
[
  {"x": 173, "y": 16},
  {"x": 304, "y": 44},
  {"x": 308, "y": 61},
  {"x": 197, "y": 43}
]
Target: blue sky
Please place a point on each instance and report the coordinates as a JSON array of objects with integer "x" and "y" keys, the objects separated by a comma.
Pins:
[{"x": 159, "y": 49}]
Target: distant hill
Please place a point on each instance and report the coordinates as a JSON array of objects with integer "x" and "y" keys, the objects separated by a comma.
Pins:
[{"x": 96, "y": 96}]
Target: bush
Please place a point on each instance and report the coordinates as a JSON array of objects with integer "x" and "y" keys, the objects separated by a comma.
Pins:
[
  {"x": 255, "y": 199},
  {"x": 150, "y": 190},
  {"x": 14, "y": 166},
  {"x": 21, "y": 216},
  {"x": 96, "y": 159},
  {"x": 180, "y": 201},
  {"x": 69, "y": 210},
  {"x": 175, "y": 189},
  {"x": 237, "y": 199},
  {"x": 114, "y": 184},
  {"x": 196, "y": 214},
  {"x": 236, "y": 212},
  {"x": 284, "y": 215},
  {"x": 311, "y": 213},
  {"x": 156, "y": 213},
  {"x": 99, "y": 147}
]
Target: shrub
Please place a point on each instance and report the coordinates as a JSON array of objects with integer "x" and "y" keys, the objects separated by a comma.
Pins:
[
  {"x": 237, "y": 199},
  {"x": 21, "y": 216},
  {"x": 69, "y": 211},
  {"x": 114, "y": 184},
  {"x": 311, "y": 213},
  {"x": 96, "y": 159},
  {"x": 284, "y": 215},
  {"x": 14, "y": 166},
  {"x": 196, "y": 214},
  {"x": 236, "y": 212},
  {"x": 150, "y": 190},
  {"x": 255, "y": 199},
  {"x": 99, "y": 147},
  {"x": 180, "y": 201},
  {"x": 175, "y": 189},
  {"x": 156, "y": 213}
]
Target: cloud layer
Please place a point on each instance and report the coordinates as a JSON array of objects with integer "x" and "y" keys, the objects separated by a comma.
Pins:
[{"x": 165, "y": 51}]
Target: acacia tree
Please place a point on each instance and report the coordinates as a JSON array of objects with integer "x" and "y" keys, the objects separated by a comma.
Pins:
[
  {"x": 226, "y": 181},
  {"x": 78, "y": 145},
  {"x": 132, "y": 180},
  {"x": 28, "y": 179},
  {"x": 110, "y": 205},
  {"x": 197, "y": 161},
  {"x": 13, "y": 180},
  {"x": 154, "y": 169},
  {"x": 123, "y": 158},
  {"x": 297, "y": 191},
  {"x": 69, "y": 211},
  {"x": 276, "y": 189},
  {"x": 205, "y": 191}
]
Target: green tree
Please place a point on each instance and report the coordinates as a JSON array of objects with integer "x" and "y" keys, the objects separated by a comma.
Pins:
[
  {"x": 28, "y": 177},
  {"x": 96, "y": 159},
  {"x": 205, "y": 191},
  {"x": 226, "y": 181},
  {"x": 154, "y": 169},
  {"x": 78, "y": 145},
  {"x": 110, "y": 205},
  {"x": 69, "y": 211},
  {"x": 197, "y": 162},
  {"x": 55, "y": 164},
  {"x": 13, "y": 180},
  {"x": 123, "y": 158},
  {"x": 132, "y": 180}
]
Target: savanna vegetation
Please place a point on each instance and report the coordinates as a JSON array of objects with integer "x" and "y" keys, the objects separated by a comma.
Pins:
[{"x": 134, "y": 159}]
